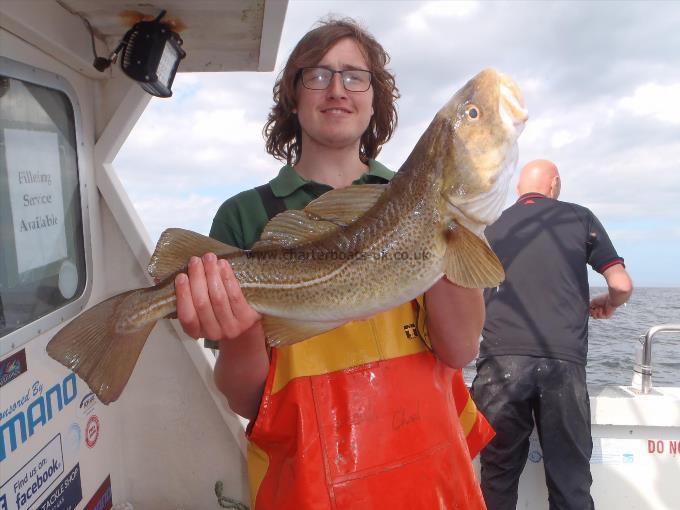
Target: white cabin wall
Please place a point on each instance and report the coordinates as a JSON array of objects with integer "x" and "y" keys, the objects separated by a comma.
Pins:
[{"x": 171, "y": 436}]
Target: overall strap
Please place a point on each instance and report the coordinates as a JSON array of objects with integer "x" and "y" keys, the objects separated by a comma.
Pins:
[{"x": 273, "y": 205}]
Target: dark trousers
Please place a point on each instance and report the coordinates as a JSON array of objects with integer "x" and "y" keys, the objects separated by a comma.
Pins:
[{"x": 513, "y": 392}]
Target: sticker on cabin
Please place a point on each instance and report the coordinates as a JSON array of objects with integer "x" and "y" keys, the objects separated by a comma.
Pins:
[
  {"x": 102, "y": 499},
  {"x": 66, "y": 495},
  {"x": 92, "y": 431},
  {"x": 609, "y": 451},
  {"x": 26, "y": 486},
  {"x": 12, "y": 367},
  {"x": 36, "y": 198},
  {"x": 87, "y": 404},
  {"x": 28, "y": 411}
]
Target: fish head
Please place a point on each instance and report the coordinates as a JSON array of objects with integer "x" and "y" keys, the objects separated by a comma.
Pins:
[{"x": 479, "y": 127}]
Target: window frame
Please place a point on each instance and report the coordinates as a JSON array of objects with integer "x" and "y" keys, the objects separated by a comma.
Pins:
[{"x": 36, "y": 328}]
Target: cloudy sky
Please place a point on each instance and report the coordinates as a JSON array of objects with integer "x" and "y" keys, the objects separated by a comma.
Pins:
[{"x": 601, "y": 81}]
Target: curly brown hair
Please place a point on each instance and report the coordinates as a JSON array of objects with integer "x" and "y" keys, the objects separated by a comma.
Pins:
[{"x": 282, "y": 130}]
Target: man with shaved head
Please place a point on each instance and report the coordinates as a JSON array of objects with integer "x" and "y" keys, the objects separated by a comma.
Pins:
[{"x": 531, "y": 366}]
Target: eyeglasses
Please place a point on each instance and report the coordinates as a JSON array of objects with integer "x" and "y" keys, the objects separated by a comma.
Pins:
[{"x": 319, "y": 78}]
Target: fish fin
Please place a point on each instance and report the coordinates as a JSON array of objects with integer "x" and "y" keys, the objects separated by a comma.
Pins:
[
  {"x": 331, "y": 211},
  {"x": 94, "y": 348},
  {"x": 470, "y": 262},
  {"x": 176, "y": 246},
  {"x": 281, "y": 332},
  {"x": 345, "y": 205},
  {"x": 293, "y": 228}
]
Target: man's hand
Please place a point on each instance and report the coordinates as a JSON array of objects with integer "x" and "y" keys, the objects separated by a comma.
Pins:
[
  {"x": 620, "y": 288},
  {"x": 601, "y": 307},
  {"x": 210, "y": 303}
]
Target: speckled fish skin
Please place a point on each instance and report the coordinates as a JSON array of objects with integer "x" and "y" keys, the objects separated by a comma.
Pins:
[{"x": 458, "y": 172}]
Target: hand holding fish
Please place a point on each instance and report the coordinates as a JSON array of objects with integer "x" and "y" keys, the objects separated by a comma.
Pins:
[{"x": 210, "y": 303}]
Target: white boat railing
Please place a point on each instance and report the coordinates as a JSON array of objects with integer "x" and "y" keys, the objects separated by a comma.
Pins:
[{"x": 642, "y": 370}]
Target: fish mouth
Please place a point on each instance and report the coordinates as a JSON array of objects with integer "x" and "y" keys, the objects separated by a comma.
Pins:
[{"x": 512, "y": 108}]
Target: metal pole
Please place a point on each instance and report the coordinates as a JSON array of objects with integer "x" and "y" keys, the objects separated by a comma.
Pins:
[{"x": 642, "y": 370}]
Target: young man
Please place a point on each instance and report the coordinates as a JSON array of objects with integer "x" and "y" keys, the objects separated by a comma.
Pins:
[
  {"x": 361, "y": 416},
  {"x": 532, "y": 359}
]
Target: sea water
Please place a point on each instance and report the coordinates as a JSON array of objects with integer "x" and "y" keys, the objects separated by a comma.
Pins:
[{"x": 612, "y": 342}]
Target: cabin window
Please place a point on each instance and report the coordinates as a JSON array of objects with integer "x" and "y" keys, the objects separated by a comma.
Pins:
[{"x": 42, "y": 258}]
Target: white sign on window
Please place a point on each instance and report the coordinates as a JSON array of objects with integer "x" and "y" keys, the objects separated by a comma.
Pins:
[{"x": 36, "y": 198}]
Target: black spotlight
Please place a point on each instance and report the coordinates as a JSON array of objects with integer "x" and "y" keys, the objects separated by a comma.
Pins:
[{"x": 150, "y": 55}]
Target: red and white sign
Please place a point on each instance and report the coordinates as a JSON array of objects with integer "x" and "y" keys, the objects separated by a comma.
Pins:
[
  {"x": 92, "y": 431},
  {"x": 663, "y": 446}
]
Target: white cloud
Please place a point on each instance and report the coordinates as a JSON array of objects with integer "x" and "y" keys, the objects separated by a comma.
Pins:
[
  {"x": 224, "y": 125},
  {"x": 421, "y": 19},
  {"x": 533, "y": 85},
  {"x": 651, "y": 99},
  {"x": 564, "y": 137},
  {"x": 191, "y": 212},
  {"x": 557, "y": 128}
]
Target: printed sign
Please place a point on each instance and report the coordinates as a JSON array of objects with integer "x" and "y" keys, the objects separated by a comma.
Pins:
[
  {"x": 34, "y": 177},
  {"x": 26, "y": 486},
  {"x": 12, "y": 367},
  {"x": 102, "y": 499},
  {"x": 66, "y": 495},
  {"x": 663, "y": 447}
]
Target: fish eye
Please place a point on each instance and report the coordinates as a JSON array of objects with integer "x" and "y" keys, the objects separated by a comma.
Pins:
[{"x": 472, "y": 112}]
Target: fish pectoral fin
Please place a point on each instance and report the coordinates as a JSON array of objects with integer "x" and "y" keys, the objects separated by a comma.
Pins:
[
  {"x": 281, "y": 332},
  {"x": 176, "y": 246},
  {"x": 470, "y": 262},
  {"x": 333, "y": 210}
]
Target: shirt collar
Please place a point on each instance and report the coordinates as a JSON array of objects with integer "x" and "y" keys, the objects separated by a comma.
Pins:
[
  {"x": 288, "y": 181},
  {"x": 529, "y": 196}
]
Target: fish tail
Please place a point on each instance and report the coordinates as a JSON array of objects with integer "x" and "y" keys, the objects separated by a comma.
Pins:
[{"x": 100, "y": 347}]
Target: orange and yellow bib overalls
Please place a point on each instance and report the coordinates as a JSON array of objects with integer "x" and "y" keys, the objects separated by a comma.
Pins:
[{"x": 364, "y": 417}]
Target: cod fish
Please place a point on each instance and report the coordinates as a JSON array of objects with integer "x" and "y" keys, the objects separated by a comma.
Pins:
[{"x": 351, "y": 253}]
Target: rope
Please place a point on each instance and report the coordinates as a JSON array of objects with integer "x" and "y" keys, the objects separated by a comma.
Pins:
[{"x": 226, "y": 502}]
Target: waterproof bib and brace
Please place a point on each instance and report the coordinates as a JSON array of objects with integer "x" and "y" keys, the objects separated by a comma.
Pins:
[{"x": 364, "y": 417}]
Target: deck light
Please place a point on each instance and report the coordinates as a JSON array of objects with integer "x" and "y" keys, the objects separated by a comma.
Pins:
[{"x": 150, "y": 55}]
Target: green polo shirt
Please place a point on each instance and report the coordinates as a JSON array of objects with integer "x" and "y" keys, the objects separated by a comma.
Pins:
[{"x": 240, "y": 220}]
